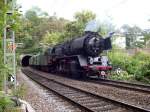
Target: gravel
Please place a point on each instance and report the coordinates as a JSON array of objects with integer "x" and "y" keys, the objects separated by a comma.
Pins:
[
  {"x": 131, "y": 97},
  {"x": 42, "y": 100}
]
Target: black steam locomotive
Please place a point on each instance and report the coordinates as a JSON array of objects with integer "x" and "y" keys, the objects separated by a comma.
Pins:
[{"x": 78, "y": 57}]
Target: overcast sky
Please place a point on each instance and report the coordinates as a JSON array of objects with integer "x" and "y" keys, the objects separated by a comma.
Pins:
[{"x": 132, "y": 12}]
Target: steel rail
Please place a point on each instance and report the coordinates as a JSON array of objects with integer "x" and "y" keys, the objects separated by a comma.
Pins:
[
  {"x": 123, "y": 85},
  {"x": 34, "y": 77}
]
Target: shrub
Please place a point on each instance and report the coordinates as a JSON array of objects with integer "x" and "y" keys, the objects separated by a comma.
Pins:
[
  {"x": 5, "y": 103},
  {"x": 143, "y": 73},
  {"x": 119, "y": 59},
  {"x": 142, "y": 56},
  {"x": 137, "y": 65},
  {"x": 132, "y": 65},
  {"x": 123, "y": 75},
  {"x": 20, "y": 91}
]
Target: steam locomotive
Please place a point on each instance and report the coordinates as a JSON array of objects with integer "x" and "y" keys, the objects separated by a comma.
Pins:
[{"x": 78, "y": 57}]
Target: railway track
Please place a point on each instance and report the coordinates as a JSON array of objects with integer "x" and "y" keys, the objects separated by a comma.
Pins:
[
  {"x": 123, "y": 85},
  {"x": 83, "y": 99}
]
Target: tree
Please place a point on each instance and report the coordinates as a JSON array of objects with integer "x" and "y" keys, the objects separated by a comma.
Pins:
[
  {"x": 36, "y": 25},
  {"x": 84, "y": 16},
  {"x": 34, "y": 13},
  {"x": 76, "y": 28},
  {"x": 51, "y": 38}
]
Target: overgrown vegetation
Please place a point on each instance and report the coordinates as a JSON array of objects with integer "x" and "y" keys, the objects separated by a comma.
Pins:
[
  {"x": 132, "y": 67},
  {"x": 20, "y": 92},
  {"x": 6, "y": 104}
]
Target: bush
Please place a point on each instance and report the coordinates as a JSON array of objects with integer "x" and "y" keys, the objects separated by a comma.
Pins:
[
  {"x": 20, "y": 91},
  {"x": 5, "y": 103},
  {"x": 137, "y": 65},
  {"x": 132, "y": 65},
  {"x": 123, "y": 75},
  {"x": 143, "y": 73},
  {"x": 142, "y": 56},
  {"x": 119, "y": 59}
]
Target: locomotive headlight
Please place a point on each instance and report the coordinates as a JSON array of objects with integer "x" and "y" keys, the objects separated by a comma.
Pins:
[{"x": 91, "y": 61}]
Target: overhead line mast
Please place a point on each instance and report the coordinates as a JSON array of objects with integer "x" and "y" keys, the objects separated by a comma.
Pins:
[{"x": 9, "y": 44}]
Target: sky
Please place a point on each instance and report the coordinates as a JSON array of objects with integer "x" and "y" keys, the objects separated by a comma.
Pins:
[{"x": 118, "y": 12}]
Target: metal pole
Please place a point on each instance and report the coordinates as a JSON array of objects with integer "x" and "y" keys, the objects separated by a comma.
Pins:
[
  {"x": 14, "y": 61},
  {"x": 14, "y": 49}
]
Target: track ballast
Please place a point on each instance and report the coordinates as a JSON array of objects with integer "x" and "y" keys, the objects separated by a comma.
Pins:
[
  {"x": 123, "y": 85},
  {"x": 85, "y": 100}
]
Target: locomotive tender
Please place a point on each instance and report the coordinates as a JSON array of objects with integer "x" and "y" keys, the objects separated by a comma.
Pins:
[{"x": 78, "y": 57}]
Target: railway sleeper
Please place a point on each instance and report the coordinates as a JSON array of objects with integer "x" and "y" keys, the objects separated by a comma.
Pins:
[
  {"x": 76, "y": 96},
  {"x": 83, "y": 98},
  {"x": 68, "y": 93},
  {"x": 108, "y": 108},
  {"x": 101, "y": 103},
  {"x": 91, "y": 101},
  {"x": 95, "y": 104}
]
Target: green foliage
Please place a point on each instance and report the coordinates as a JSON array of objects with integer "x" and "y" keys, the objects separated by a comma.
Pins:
[
  {"x": 142, "y": 56},
  {"x": 3, "y": 9},
  {"x": 14, "y": 25},
  {"x": 119, "y": 59},
  {"x": 137, "y": 66},
  {"x": 73, "y": 29},
  {"x": 76, "y": 28},
  {"x": 3, "y": 69},
  {"x": 20, "y": 91},
  {"x": 28, "y": 42},
  {"x": 5, "y": 103},
  {"x": 37, "y": 27},
  {"x": 123, "y": 75},
  {"x": 143, "y": 71},
  {"x": 33, "y": 50},
  {"x": 51, "y": 38},
  {"x": 84, "y": 16}
]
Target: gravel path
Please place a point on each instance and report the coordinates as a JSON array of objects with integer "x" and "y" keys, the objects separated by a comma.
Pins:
[
  {"x": 131, "y": 97},
  {"x": 41, "y": 99}
]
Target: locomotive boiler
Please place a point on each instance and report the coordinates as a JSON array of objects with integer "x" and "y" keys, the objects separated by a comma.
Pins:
[{"x": 91, "y": 44}]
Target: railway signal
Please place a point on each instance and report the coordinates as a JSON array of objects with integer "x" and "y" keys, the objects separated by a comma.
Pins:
[{"x": 9, "y": 45}]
